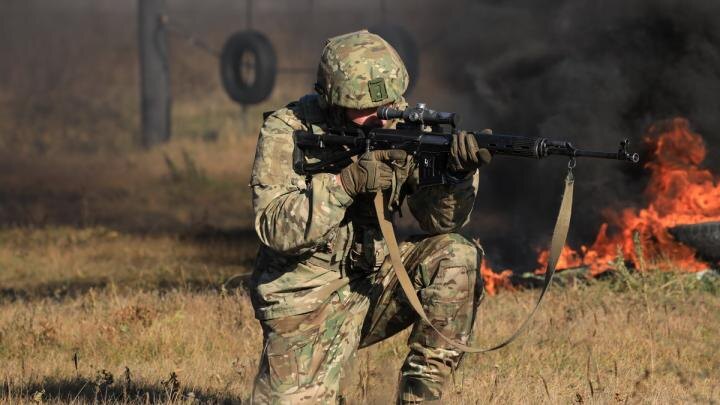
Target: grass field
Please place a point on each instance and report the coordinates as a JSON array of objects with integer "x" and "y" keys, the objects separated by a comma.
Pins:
[
  {"x": 97, "y": 306},
  {"x": 96, "y": 315}
]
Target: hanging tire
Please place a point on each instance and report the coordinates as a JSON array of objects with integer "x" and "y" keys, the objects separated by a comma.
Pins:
[
  {"x": 405, "y": 46},
  {"x": 248, "y": 66},
  {"x": 703, "y": 237}
]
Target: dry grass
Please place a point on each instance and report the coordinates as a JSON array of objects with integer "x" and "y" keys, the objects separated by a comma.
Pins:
[
  {"x": 180, "y": 185},
  {"x": 135, "y": 310},
  {"x": 61, "y": 262}
]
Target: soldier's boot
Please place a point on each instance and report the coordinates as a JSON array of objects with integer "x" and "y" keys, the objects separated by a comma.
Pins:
[{"x": 450, "y": 292}]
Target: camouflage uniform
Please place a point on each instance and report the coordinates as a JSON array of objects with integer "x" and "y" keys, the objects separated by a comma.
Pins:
[{"x": 323, "y": 285}]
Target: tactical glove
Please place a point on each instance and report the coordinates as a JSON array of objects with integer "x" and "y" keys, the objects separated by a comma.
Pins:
[
  {"x": 465, "y": 155},
  {"x": 371, "y": 173}
]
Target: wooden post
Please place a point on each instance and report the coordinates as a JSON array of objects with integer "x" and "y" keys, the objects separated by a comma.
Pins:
[{"x": 154, "y": 72}]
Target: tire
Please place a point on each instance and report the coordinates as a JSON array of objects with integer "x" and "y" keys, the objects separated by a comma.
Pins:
[
  {"x": 405, "y": 46},
  {"x": 256, "y": 82},
  {"x": 703, "y": 237}
]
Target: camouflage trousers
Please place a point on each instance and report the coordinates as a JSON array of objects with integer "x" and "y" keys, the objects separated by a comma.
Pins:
[{"x": 305, "y": 354}]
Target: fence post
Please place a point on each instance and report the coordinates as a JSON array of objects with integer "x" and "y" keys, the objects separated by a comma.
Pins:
[{"x": 154, "y": 73}]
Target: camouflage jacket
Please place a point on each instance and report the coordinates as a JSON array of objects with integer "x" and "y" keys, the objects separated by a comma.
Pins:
[{"x": 314, "y": 237}]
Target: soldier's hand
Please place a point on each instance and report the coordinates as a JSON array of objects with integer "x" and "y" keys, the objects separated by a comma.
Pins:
[
  {"x": 465, "y": 155},
  {"x": 371, "y": 173}
]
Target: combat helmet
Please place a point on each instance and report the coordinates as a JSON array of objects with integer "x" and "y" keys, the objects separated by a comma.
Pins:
[{"x": 360, "y": 70}]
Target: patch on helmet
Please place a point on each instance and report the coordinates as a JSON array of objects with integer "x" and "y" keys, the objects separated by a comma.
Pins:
[{"x": 378, "y": 92}]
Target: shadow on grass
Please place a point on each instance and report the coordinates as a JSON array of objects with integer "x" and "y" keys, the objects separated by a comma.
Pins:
[
  {"x": 236, "y": 246},
  {"x": 213, "y": 246},
  {"x": 73, "y": 289},
  {"x": 103, "y": 389},
  {"x": 54, "y": 290}
]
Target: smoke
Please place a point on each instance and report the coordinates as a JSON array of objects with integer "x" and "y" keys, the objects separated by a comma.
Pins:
[{"x": 585, "y": 71}]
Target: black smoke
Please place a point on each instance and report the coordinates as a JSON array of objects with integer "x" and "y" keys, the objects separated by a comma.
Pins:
[{"x": 587, "y": 71}]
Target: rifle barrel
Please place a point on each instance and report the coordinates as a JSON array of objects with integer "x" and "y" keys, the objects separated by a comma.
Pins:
[{"x": 596, "y": 154}]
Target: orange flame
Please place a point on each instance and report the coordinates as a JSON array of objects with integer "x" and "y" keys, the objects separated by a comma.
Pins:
[
  {"x": 495, "y": 281},
  {"x": 679, "y": 192}
]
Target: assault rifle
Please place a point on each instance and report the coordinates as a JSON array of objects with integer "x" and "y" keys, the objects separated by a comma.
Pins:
[{"x": 430, "y": 148}]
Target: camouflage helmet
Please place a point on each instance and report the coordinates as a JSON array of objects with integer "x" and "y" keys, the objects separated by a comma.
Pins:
[{"x": 360, "y": 70}]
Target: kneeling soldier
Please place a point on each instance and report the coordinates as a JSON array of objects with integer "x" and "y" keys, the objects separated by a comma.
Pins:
[{"x": 323, "y": 285}]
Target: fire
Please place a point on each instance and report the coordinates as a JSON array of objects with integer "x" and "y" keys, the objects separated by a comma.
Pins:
[
  {"x": 494, "y": 281},
  {"x": 679, "y": 192},
  {"x": 568, "y": 258}
]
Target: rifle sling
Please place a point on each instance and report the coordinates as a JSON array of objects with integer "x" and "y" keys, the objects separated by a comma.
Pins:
[{"x": 558, "y": 242}]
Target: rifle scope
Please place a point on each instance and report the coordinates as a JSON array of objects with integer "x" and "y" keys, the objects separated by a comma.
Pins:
[{"x": 419, "y": 114}]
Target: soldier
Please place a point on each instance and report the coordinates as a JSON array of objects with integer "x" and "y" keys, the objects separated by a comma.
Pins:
[{"x": 323, "y": 285}]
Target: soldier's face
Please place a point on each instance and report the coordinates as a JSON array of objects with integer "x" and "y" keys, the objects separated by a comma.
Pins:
[{"x": 366, "y": 117}]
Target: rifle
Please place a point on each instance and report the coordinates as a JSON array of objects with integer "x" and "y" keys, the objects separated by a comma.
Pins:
[{"x": 430, "y": 148}]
